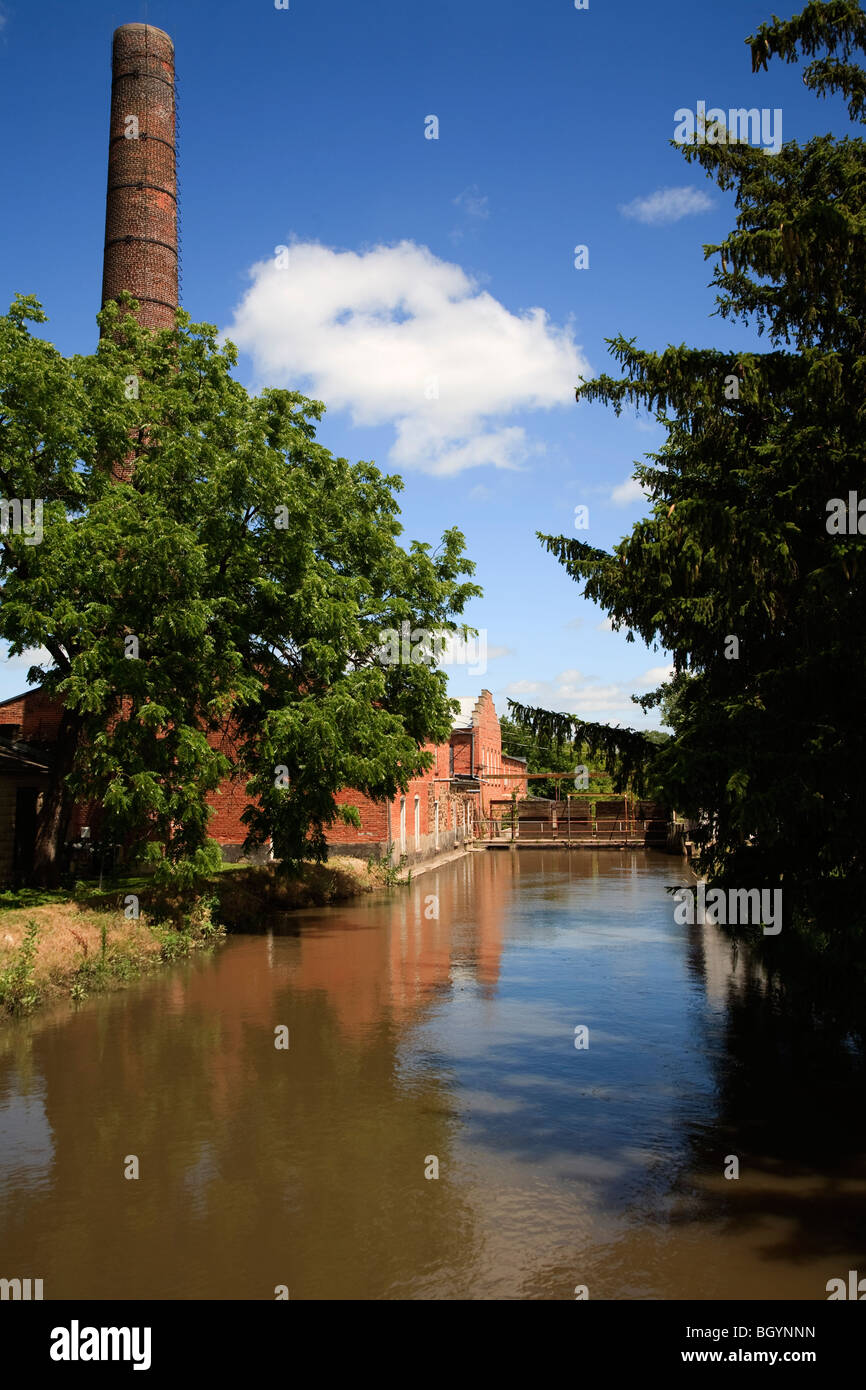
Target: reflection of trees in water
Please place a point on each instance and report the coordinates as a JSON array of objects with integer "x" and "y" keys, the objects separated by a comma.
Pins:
[
  {"x": 790, "y": 1084},
  {"x": 260, "y": 1167}
]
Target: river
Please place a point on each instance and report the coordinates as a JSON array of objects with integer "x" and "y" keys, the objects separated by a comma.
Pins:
[{"x": 432, "y": 1029}]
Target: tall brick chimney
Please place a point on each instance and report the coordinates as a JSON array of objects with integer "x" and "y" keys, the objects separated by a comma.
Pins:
[{"x": 141, "y": 205}]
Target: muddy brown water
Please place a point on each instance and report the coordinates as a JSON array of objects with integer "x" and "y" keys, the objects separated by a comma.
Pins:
[{"x": 418, "y": 1042}]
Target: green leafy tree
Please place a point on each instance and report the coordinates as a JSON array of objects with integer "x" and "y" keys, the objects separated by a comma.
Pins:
[
  {"x": 551, "y": 756},
  {"x": 212, "y": 586},
  {"x": 740, "y": 570}
]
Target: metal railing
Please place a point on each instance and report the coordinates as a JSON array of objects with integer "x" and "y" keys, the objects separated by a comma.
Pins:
[{"x": 599, "y": 828}]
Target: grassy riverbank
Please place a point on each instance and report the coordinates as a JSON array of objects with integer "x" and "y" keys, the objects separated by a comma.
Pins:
[
  {"x": 66, "y": 948},
  {"x": 246, "y": 891},
  {"x": 56, "y": 944}
]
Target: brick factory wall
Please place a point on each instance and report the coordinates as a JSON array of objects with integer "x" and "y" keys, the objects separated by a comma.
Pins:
[
  {"x": 459, "y": 809},
  {"x": 37, "y": 714},
  {"x": 510, "y": 764}
]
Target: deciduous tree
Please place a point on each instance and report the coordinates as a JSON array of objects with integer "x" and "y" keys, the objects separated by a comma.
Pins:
[{"x": 212, "y": 585}]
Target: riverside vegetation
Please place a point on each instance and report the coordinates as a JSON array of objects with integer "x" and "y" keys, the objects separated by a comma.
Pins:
[
  {"x": 735, "y": 571},
  {"x": 56, "y": 944}
]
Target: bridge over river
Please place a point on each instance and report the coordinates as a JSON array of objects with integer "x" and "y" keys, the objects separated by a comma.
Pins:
[{"x": 589, "y": 820}]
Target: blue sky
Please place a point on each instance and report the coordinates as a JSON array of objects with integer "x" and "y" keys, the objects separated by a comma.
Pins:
[{"x": 430, "y": 296}]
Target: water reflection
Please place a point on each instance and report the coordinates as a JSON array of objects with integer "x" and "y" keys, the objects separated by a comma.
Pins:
[{"x": 439, "y": 1023}]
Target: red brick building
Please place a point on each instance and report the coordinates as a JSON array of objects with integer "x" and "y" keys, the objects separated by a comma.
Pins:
[
  {"x": 445, "y": 807},
  {"x": 440, "y": 810}
]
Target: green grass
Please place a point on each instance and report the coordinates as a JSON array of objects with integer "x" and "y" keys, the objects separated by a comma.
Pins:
[
  {"x": 32, "y": 897},
  {"x": 18, "y": 991},
  {"x": 88, "y": 890}
]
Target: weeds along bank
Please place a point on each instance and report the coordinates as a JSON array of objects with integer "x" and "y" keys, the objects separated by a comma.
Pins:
[
  {"x": 56, "y": 945},
  {"x": 64, "y": 948}
]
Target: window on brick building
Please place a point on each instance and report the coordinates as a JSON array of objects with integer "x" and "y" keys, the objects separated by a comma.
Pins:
[
  {"x": 436, "y": 825},
  {"x": 402, "y": 825},
  {"x": 417, "y": 823}
]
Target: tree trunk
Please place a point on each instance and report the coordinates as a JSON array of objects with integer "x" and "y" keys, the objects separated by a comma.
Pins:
[{"x": 56, "y": 805}]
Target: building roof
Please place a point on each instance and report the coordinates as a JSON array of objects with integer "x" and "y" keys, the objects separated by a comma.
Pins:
[
  {"x": 16, "y": 756},
  {"x": 465, "y": 720}
]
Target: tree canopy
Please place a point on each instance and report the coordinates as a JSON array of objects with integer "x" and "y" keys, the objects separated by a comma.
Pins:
[
  {"x": 212, "y": 586},
  {"x": 543, "y": 755},
  {"x": 749, "y": 567}
]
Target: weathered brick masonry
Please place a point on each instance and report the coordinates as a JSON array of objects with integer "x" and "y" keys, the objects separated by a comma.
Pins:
[
  {"x": 439, "y": 811},
  {"x": 444, "y": 808},
  {"x": 141, "y": 253}
]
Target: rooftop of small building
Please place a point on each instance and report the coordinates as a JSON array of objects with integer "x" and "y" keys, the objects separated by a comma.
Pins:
[
  {"x": 464, "y": 719},
  {"x": 17, "y": 756}
]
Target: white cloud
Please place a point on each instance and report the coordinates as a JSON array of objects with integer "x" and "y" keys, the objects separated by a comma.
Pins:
[
  {"x": 624, "y": 494},
  {"x": 666, "y": 205},
  {"x": 473, "y": 203},
  {"x": 656, "y": 675},
  {"x": 493, "y": 653},
  {"x": 606, "y": 625},
  {"x": 33, "y": 656},
  {"x": 571, "y": 692},
  {"x": 398, "y": 337}
]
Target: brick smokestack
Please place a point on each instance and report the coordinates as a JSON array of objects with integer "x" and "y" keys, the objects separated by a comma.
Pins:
[{"x": 141, "y": 205}]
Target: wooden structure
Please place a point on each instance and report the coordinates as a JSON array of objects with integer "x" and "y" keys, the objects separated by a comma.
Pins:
[{"x": 594, "y": 818}]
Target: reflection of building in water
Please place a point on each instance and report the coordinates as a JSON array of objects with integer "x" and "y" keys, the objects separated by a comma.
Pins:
[
  {"x": 390, "y": 962},
  {"x": 467, "y": 938},
  {"x": 27, "y": 1141},
  {"x": 372, "y": 964},
  {"x": 265, "y": 1164}
]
